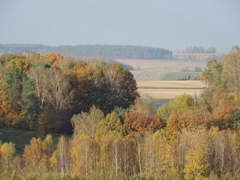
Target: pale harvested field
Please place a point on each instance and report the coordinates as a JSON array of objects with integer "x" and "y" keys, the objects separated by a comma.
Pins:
[
  {"x": 167, "y": 93},
  {"x": 155, "y": 70},
  {"x": 176, "y": 84},
  {"x": 169, "y": 89}
]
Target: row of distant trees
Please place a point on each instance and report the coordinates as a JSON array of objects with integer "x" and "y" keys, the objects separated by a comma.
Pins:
[
  {"x": 93, "y": 51},
  {"x": 200, "y": 50}
]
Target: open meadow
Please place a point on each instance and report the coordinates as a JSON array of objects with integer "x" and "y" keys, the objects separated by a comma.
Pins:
[
  {"x": 162, "y": 91},
  {"x": 162, "y": 69},
  {"x": 163, "y": 79}
]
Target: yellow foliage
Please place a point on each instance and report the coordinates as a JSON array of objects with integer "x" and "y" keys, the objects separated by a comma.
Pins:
[
  {"x": 197, "y": 154},
  {"x": 53, "y": 160},
  {"x": 111, "y": 124},
  {"x": 21, "y": 64},
  {"x": 6, "y": 114},
  {"x": 197, "y": 166},
  {"x": 84, "y": 155},
  {"x": 8, "y": 151},
  {"x": 37, "y": 154},
  {"x": 175, "y": 125},
  {"x": 178, "y": 105}
]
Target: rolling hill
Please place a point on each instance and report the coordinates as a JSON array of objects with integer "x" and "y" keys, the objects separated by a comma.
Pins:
[{"x": 92, "y": 51}]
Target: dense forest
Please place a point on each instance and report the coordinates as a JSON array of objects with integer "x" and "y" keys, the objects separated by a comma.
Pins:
[
  {"x": 116, "y": 135},
  {"x": 43, "y": 92},
  {"x": 92, "y": 51}
]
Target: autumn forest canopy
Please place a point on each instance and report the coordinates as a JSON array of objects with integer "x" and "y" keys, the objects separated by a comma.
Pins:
[
  {"x": 43, "y": 92},
  {"x": 109, "y": 131}
]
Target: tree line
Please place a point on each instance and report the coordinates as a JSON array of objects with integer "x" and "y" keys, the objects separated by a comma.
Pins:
[{"x": 93, "y": 51}]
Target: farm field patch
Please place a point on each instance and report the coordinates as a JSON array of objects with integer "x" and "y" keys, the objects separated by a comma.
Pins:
[
  {"x": 164, "y": 69},
  {"x": 158, "y": 90}
]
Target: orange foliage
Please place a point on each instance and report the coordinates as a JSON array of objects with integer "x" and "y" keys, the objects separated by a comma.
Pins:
[
  {"x": 38, "y": 153},
  {"x": 137, "y": 122},
  {"x": 223, "y": 114},
  {"x": 54, "y": 58},
  {"x": 6, "y": 114}
]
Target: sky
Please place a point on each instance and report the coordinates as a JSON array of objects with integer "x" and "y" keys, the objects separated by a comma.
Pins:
[{"x": 172, "y": 24}]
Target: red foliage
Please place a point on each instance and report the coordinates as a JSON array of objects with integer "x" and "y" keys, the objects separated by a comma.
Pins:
[
  {"x": 137, "y": 122},
  {"x": 53, "y": 58}
]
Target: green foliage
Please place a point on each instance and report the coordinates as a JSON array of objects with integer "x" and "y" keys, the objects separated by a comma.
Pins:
[
  {"x": 22, "y": 97},
  {"x": 30, "y": 103},
  {"x": 14, "y": 78},
  {"x": 178, "y": 105},
  {"x": 164, "y": 111},
  {"x": 19, "y": 137},
  {"x": 5, "y": 58},
  {"x": 120, "y": 113},
  {"x": 224, "y": 74},
  {"x": 236, "y": 119},
  {"x": 213, "y": 74},
  {"x": 111, "y": 124},
  {"x": 182, "y": 103}
]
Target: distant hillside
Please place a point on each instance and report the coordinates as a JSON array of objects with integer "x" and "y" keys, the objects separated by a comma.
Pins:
[{"x": 92, "y": 51}]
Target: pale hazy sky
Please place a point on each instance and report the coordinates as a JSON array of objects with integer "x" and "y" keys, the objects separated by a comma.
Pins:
[{"x": 170, "y": 24}]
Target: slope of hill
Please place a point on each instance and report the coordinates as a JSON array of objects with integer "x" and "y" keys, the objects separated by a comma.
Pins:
[
  {"x": 93, "y": 51},
  {"x": 162, "y": 69}
]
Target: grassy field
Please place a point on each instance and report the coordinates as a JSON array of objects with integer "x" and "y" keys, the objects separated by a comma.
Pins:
[
  {"x": 162, "y": 91},
  {"x": 19, "y": 137},
  {"x": 172, "y": 84},
  {"x": 175, "y": 76}
]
